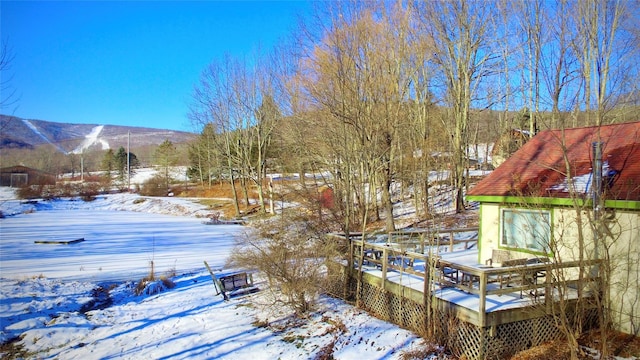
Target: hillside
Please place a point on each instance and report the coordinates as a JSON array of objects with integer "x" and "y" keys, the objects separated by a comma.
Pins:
[{"x": 18, "y": 133}]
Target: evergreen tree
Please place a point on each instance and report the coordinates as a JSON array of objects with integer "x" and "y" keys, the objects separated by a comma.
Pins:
[
  {"x": 121, "y": 162},
  {"x": 165, "y": 156},
  {"x": 108, "y": 162}
]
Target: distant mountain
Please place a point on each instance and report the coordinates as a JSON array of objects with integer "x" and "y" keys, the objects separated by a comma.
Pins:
[{"x": 75, "y": 138}]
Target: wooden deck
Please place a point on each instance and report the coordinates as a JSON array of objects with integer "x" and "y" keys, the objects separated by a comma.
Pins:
[{"x": 479, "y": 294}]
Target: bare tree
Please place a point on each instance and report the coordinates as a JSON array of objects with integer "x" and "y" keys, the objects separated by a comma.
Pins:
[
  {"x": 7, "y": 91},
  {"x": 237, "y": 98},
  {"x": 602, "y": 46},
  {"x": 361, "y": 76},
  {"x": 460, "y": 35},
  {"x": 212, "y": 104},
  {"x": 532, "y": 38}
]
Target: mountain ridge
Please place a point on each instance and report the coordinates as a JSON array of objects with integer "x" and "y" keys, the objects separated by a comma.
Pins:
[{"x": 20, "y": 133}]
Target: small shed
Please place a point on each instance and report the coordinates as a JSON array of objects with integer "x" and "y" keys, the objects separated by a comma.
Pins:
[{"x": 19, "y": 176}]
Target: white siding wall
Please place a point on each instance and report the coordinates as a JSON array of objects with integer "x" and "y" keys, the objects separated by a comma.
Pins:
[
  {"x": 624, "y": 252},
  {"x": 489, "y": 231},
  {"x": 625, "y": 278}
]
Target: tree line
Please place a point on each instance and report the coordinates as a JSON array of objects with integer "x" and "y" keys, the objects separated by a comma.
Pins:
[{"x": 377, "y": 93}]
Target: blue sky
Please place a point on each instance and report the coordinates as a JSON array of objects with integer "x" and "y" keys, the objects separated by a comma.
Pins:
[{"x": 128, "y": 62}]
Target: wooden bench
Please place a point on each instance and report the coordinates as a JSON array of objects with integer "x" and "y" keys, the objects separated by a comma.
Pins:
[
  {"x": 234, "y": 281},
  {"x": 232, "y": 284}
]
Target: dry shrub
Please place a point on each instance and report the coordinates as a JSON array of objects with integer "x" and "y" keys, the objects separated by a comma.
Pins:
[
  {"x": 149, "y": 288},
  {"x": 426, "y": 350},
  {"x": 326, "y": 352},
  {"x": 149, "y": 285},
  {"x": 260, "y": 323},
  {"x": 620, "y": 345},
  {"x": 554, "y": 350},
  {"x": 336, "y": 325},
  {"x": 291, "y": 252},
  {"x": 155, "y": 186},
  {"x": 87, "y": 191},
  {"x": 140, "y": 287},
  {"x": 171, "y": 272},
  {"x": 219, "y": 197},
  {"x": 152, "y": 287},
  {"x": 30, "y": 192},
  {"x": 167, "y": 282},
  {"x": 13, "y": 349}
]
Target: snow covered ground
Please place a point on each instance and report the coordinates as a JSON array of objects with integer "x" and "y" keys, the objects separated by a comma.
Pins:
[{"x": 77, "y": 301}]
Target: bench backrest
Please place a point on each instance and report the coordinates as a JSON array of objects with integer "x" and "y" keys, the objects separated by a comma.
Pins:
[
  {"x": 514, "y": 262},
  {"x": 235, "y": 281}
]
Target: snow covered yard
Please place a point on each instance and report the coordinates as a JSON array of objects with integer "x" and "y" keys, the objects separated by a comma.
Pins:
[
  {"x": 185, "y": 322},
  {"x": 77, "y": 300}
]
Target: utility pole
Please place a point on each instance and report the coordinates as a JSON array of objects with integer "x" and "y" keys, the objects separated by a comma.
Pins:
[{"x": 82, "y": 165}]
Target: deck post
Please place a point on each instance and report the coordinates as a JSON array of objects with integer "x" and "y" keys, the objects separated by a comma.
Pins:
[
  {"x": 451, "y": 241},
  {"x": 385, "y": 259},
  {"x": 483, "y": 299},
  {"x": 548, "y": 295},
  {"x": 426, "y": 290}
]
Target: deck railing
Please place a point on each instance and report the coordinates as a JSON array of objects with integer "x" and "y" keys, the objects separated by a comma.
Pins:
[
  {"x": 536, "y": 278},
  {"x": 421, "y": 239}
]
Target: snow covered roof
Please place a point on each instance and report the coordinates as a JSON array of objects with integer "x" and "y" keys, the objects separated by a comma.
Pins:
[{"x": 539, "y": 168}]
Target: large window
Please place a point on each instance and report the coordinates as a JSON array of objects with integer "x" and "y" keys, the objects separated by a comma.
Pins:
[{"x": 526, "y": 229}]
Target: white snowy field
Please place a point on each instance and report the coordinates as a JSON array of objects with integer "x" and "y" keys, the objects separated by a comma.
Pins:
[
  {"x": 77, "y": 302},
  {"x": 118, "y": 245}
]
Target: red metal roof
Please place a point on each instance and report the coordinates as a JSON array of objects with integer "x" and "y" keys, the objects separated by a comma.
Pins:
[{"x": 539, "y": 168}]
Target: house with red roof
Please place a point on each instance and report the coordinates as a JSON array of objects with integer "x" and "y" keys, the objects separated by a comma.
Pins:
[{"x": 570, "y": 194}]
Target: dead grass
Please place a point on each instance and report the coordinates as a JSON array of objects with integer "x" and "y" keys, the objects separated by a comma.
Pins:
[
  {"x": 426, "y": 350},
  {"x": 219, "y": 196},
  {"x": 556, "y": 350},
  {"x": 621, "y": 345},
  {"x": 12, "y": 349}
]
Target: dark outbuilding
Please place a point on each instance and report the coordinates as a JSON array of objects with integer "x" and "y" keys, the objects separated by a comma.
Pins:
[{"x": 19, "y": 176}]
